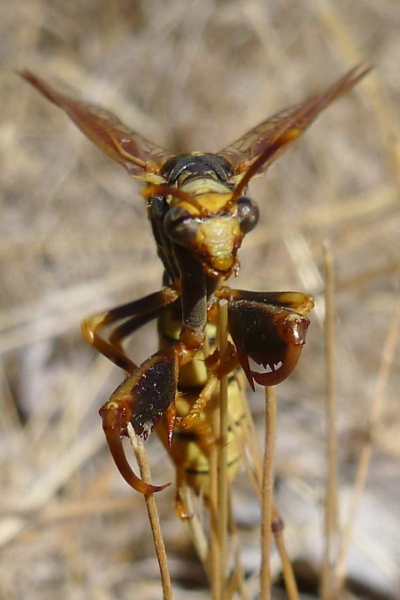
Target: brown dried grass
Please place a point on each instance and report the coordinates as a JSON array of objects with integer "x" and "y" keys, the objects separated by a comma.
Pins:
[{"x": 190, "y": 75}]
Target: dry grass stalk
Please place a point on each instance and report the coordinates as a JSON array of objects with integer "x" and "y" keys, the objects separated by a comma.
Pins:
[
  {"x": 196, "y": 529},
  {"x": 267, "y": 501},
  {"x": 215, "y": 550},
  {"x": 287, "y": 567},
  {"x": 223, "y": 481},
  {"x": 385, "y": 119},
  {"x": 367, "y": 448},
  {"x": 152, "y": 513},
  {"x": 331, "y": 510}
]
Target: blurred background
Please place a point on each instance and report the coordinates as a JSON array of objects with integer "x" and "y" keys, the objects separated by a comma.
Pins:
[{"x": 192, "y": 75}]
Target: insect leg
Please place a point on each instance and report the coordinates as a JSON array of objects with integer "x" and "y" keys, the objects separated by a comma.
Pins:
[
  {"x": 137, "y": 313},
  {"x": 132, "y": 402}
]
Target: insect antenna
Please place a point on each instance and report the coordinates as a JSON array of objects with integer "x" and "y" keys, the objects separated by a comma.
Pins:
[{"x": 167, "y": 190}]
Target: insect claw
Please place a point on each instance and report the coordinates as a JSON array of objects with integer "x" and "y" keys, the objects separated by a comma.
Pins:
[
  {"x": 244, "y": 362},
  {"x": 170, "y": 419},
  {"x": 113, "y": 427}
]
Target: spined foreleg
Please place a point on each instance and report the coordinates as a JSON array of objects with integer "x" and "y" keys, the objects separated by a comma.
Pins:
[
  {"x": 149, "y": 389},
  {"x": 269, "y": 328}
]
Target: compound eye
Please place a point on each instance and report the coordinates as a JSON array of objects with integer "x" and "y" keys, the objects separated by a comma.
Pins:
[
  {"x": 247, "y": 214},
  {"x": 180, "y": 225},
  {"x": 158, "y": 206}
]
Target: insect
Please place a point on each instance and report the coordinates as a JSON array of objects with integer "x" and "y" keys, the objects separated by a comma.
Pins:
[{"x": 199, "y": 211}]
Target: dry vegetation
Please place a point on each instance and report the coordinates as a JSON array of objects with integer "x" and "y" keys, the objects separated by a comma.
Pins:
[{"x": 191, "y": 75}]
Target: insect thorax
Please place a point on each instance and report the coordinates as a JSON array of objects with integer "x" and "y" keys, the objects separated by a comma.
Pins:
[{"x": 196, "y": 165}]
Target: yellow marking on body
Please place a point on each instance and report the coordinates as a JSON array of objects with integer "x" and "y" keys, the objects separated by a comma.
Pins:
[
  {"x": 193, "y": 374},
  {"x": 204, "y": 185},
  {"x": 152, "y": 178},
  {"x": 203, "y": 204},
  {"x": 191, "y": 447},
  {"x": 219, "y": 238},
  {"x": 214, "y": 202}
]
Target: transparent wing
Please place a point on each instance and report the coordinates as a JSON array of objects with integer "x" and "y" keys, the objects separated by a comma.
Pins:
[
  {"x": 125, "y": 146},
  {"x": 272, "y": 137}
]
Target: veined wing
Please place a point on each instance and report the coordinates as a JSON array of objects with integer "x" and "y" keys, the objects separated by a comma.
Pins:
[
  {"x": 118, "y": 141},
  {"x": 266, "y": 142}
]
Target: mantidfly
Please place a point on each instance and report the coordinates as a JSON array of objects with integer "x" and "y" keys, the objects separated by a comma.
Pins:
[{"x": 199, "y": 212}]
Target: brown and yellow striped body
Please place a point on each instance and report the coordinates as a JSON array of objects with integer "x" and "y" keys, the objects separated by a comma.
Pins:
[{"x": 191, "y": 445}]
